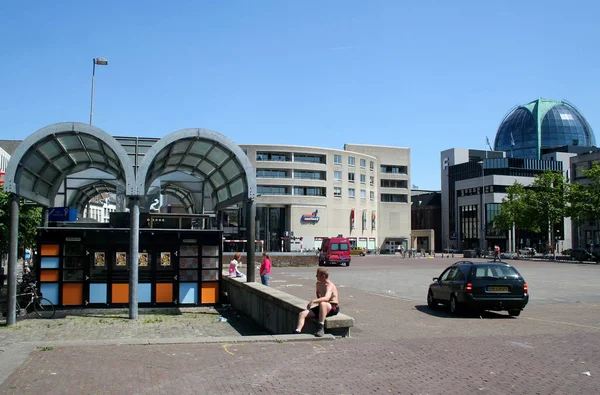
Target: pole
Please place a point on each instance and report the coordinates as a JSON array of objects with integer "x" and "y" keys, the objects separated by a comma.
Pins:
[
  {"x": 11, "y": 316},
  {"x": 251, "y": 237},
  {"x": 482, "y": 242},
  {"x": 134, "y": 242},
  {"x": 92, "y": 103}
]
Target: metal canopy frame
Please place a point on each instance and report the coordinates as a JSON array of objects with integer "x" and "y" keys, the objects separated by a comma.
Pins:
[
  {"x": 42, "y": 163},
  {"x": 206, "y": 155},
  {"x": 43, "y": 160}
]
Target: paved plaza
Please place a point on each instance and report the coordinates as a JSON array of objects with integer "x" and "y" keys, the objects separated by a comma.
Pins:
[{"x": 398, "y": 345}]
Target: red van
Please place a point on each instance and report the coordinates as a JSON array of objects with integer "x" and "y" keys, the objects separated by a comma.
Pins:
[{"x": 335, "y": 250}]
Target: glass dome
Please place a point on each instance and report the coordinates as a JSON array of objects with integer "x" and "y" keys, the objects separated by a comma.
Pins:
[{"x": 541, "y": 124}]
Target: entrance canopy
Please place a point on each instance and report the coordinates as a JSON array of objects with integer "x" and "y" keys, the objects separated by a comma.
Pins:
[
  {"x": 43, "y": 160},
  {"x": 206, "y": 155}
]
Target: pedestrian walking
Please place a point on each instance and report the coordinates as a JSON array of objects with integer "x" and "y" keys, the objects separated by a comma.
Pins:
[{"x": 265, "y": 269}]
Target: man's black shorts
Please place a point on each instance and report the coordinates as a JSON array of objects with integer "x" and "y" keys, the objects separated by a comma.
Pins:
[{"x": 335, "y": 308}]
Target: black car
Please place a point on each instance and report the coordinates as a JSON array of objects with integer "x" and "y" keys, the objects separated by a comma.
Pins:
[
  {"x": 479, "y": 286},
  {"x": 581, "y": 254}
]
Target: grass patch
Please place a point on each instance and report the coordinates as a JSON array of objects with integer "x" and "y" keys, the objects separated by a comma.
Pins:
[
  {"x": 47, "y": 348},
  {"x": 152, "y": 320}
]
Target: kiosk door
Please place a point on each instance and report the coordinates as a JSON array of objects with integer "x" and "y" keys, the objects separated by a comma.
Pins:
[
  {"x": 165, "y": 275},
  {"x": 98, "y": 276}
]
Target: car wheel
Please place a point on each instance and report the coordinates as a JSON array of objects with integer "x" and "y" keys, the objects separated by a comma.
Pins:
[
  {"x": 453, "y": 305},
  {"x": 431, "y": 302},
  {"x": 362, "y": 254},
  {"x": 347, "y": 264},
  {"x": 514, "y": 313}
]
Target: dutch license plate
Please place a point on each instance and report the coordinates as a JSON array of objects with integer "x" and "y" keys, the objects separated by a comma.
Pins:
[{"x": 497, "y": 289}]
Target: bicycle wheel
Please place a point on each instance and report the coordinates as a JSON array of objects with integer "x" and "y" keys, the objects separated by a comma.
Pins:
[{"x": 43, "y": 308}]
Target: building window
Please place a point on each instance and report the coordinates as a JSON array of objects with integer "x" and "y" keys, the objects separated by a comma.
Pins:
[
  {"x": 337, "y": 160},
  {"x": 264, "y": 173},
  {"x": 371, "y": 195},
  {"x": 351, "y": 161},
  {"x": 363, "y": 163},
  {"x": 309, "y": 175},
  {"x": 363, "y": 194},
  {"x": 394, "y": 169},
  {"x": 309, "y": 191},
  {"x": 363, "y": 179},
  {"x": 272, "y": 190},
  {"x": 350, "y": 177},
  {"x": 309, "y": 158},
  {"x": 371, "y": 165},
  {"x": 394, "y": 198},
  {"x": 371, "y": 180},
  {"x": 351, "y": 193},
  {"x": 394, "y": 183},
  {"x": 337, "y": 191},
  {"x": 273, "y": 157},
  {"x": 337, "y": 175}
]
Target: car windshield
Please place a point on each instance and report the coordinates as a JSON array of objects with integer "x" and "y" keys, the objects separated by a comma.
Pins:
[
  {"x": 495, "y": 271},
  {"x": 339, "y": 247}
]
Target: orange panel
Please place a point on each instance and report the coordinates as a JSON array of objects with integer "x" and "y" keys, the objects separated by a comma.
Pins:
[
  {"x": 210, "y": 293},
  {"x": 48, "y": 275},
  {"x": 72, "y": 294},
  {"x": 120, "y": 293},
  {"x": 164, "y": 293},
  {"x": 50, "y": 250}
]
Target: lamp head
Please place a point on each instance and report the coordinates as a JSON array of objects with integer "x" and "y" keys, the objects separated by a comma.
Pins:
[{"x": 100, "y": 61}]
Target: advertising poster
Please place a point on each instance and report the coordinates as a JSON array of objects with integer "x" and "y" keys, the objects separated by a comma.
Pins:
[
  {"x": 99, "y": 259},
  {"x": 165, "y": 259},
  {"x": 143, "y": 259},
  {"x": 121, "y": 258}
]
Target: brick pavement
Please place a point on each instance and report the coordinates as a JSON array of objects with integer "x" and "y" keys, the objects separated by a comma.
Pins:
[{"x": 398, "y": 346}]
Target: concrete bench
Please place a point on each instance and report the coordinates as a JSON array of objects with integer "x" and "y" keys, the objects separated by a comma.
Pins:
[{"x": 276, "y": 310}]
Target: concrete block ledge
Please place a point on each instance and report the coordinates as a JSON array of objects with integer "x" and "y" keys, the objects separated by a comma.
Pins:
[{"x": 276, "y": 310}]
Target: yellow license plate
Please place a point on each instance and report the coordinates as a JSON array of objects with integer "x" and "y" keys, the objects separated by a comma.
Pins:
[{"x": 498, "y": 289}]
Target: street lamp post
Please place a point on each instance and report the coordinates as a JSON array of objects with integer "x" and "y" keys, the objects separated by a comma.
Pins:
[
  {"x": 482, "y": 238},
  {"x": 100, "y": 62}
]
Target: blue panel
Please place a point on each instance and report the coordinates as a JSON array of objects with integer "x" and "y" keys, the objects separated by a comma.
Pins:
[
  {"x": 98, "y": 293},
  {"x": 144, "y": 293},
  {"x": 49, "y": 262},
  {"x": 50, "y": 291},
  {"x": 188, "y": 293}
]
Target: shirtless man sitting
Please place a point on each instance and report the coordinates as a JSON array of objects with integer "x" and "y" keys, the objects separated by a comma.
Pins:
[{"x": 327, "y": 303}]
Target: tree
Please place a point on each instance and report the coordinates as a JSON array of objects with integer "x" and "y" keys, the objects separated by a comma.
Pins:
[
  {"x": 513, "y": 211},
  {"x": 30, "y": 218},
  {"x": 547, "y": 202}
]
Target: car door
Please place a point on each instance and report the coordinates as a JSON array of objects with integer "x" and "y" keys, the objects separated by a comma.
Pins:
[{"x": 442, "y": 289}]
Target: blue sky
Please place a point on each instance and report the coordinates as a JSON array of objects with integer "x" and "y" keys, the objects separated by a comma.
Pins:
[{"x": 428, "y": 75}]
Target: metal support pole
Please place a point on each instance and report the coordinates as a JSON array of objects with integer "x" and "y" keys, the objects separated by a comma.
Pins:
[
  {"x": 134, "y": 242},
  {"x": 482, "y": 242},
  {"x": 92, "y": 103},
  {"x": 44, "y": 217},
  {"x": 251, "y": 232},
  {"x": 13, "y": 243}
]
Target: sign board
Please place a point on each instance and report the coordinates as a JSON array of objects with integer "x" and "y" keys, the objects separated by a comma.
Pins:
[
  {"x": 312, "y": 217},
  {"x": 62, "y": 214}
]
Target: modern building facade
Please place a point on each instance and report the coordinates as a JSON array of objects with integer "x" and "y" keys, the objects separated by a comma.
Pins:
[
  {"x": 471, "y": 181},
  {"x": 307, "y": 193},
  {"x": 426, "y": 224},
  {"x": 542, "y": 124},
  {"x": 586, "y": 232}
]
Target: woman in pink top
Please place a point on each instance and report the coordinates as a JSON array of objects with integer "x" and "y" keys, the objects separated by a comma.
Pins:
[
  {"x": 234, "y": 264},
  {"x": 265, "y": 269}
]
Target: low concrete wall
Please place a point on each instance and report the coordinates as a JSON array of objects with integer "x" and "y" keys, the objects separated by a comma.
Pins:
[
  {"x": 278, "y": 259},
  {"x": 277, "y": 311}
]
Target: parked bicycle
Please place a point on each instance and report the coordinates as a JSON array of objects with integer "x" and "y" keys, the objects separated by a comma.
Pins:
[{"x": 30, "y": 299}]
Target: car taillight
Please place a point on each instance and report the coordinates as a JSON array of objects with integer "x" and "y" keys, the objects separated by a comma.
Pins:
[
  {"x": 469, "y": 287},
  {"x": 525, "y": 288}
]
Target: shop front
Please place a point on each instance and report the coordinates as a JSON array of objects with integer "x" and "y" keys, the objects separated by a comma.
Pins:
[{"x": 90, "y": 266}]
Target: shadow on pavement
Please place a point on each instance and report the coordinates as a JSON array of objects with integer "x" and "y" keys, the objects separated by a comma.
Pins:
[{"x": 443, "y": 312}]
